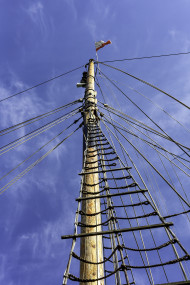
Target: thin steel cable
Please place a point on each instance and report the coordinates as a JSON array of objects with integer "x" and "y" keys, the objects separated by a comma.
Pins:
[
  {"x": 158, "y": 106},
  {"x": 12, "y": 130},
  {"x": 149, "y": 176},
  {"x": 21, "y": 126},
  {"x": 115, "y": 111},
  {"x": 113, "y": 244},
  {"x": 169, "y": 176},
  {"x": 155, "y": 104},
  {"x": 168, "y": 231},
  {"x": 135, "y": 152},
  {"x": 87, "y": 140},
  {"x": 146, "y": 114},
  {"x": 65, "y": 276},
  {"x": 113, "y": 225},
  {"x": 180, "y": 182},
  {"x": 156, "y": 171},
  {"x": 147, "y": 57},
  {"x": 130, "y": 132},
  {"x": 117, "y": 220},
  {"x": 34, "y": 133},
  {"x": 110, "y": 226},
  {"x": 39, "y": 117},
  {"x": 140, "y": 231},
  {"x": 147, "y": 83},
  {"x": 174, "y": 187},
  {"x": 21, "y": 174},
  {"x": 139, "y": 175},
  {"x": 26, "y": 159},
  {"x": 110, "y": 90},
  {"x": 176, "y": 142},
  {"x": 149, "y": 277},
  {"x": 147, "y": 173},
  {"x": 148, "y": 143},
  {"x": 156, "y": 144},
  {"x": 39, "y": 84},
  {"x": 130, "y": 196}
]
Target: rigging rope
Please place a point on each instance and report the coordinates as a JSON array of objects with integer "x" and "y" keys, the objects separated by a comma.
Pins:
[
  {"x": 162, "y": 218},
  {"x": 145, "y": 82},
  {"x": 2, "y": 189},
  {"x": 154, "y": 169},
  {"x": 155, "y": 145},
  {"x": 39, "y": 117},
  {"x": 146, "y": 114},
  {"x": 150, "y": 277},
  {"x": 156, "y": 132},
  {"x": 41, "y": 83},
  {"x": 166, "y": 232},
  {"x": 122, "y": 267},
  {"x": 39, "y": 149},
  {"x": 36, "y": 132},
  {"x": 155, "y": 104},
  {"x": 151, "y": 145},
  {"x": 147, "y": 57}
]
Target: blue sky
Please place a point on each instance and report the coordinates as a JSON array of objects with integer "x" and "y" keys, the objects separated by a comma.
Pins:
[{"x": 41, "y": 39}]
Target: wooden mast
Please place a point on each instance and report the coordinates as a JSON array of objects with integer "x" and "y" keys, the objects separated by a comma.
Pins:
[{"x": 91, "y": 248}]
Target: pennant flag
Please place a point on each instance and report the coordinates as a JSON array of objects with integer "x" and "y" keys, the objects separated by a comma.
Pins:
[{"x": 101, "y": 44}]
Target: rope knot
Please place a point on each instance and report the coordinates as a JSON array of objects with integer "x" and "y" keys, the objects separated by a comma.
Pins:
[{"x": 120, "y": 247}]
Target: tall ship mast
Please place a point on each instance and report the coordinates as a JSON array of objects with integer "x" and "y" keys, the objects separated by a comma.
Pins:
[
  {"x": 124, "y": 232},
  {"x": 119, "y": 225}
]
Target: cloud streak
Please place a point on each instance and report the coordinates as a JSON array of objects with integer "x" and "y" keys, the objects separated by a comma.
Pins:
[{"x": 36, "y": 13}]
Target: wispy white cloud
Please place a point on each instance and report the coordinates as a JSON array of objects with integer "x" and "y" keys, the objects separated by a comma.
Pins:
[
  {"x": 181, "y": 39},
  {"x": 102, "y": 10},
  {"x": 3, "y": 265},
  {"x": 71, "y": 4},
  {"x": 27, "y": 106},
  {"x": 15, "y": 113},
  {"x": 92, "y": 28},
  {"x": 35, "y": 11},
  {"x": 102, "y": 13},
  {"x": 36, "y": 14},
  {"x": 173, "y": 33},
  {"x": 12, "y": 113}
]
